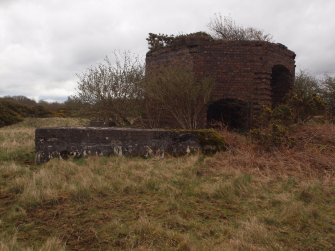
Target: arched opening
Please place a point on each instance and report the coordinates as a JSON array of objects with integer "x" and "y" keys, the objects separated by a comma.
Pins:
[
  {"x": 281, "y": 81},
  {"x": 233, "y": 113}
]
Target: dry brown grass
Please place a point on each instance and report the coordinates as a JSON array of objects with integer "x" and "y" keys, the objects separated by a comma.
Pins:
[
  {"x": 242, "y": 199},
  {"x": 312, "y": 155},
  {"x": 51, "y": 244}
]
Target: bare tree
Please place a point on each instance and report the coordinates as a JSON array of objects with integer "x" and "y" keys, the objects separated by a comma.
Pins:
[
  {"x": 177, "y": 90},
  {"x": 111, "y": 89},
  {"x": 329, "y": 94},
  {"x": 226, "y": 29}
]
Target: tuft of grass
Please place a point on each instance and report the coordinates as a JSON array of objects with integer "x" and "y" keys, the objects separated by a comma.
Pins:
[{"x": 11, "y": 244}]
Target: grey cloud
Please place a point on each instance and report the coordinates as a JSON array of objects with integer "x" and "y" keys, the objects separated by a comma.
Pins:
[{"x": 43, "y": 44}]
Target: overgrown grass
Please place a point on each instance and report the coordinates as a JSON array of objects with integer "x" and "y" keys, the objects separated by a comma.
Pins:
[
  {"x": 11, "y": 244},
  {"x": 17, "y": 141},
  {"x": 242, "y": 199}
]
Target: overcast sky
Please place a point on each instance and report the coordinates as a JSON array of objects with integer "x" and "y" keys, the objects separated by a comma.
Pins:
[{"x": 45, "y": 43}]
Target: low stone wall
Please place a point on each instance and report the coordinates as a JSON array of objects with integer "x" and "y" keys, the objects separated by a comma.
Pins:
[{"x": 68, "y": 142}]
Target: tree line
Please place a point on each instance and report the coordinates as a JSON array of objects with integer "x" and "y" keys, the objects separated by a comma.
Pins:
[{"x": 14, "y": 109}]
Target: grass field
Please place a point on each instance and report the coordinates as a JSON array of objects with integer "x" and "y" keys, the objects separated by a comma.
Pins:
[{"x": 242, "y": 199}]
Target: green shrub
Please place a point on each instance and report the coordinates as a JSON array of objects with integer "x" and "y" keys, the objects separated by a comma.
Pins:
[
  {"x": 329, "y": 95},
  {"x": 12, "y": 112},
  {"x": 9, "y": 113},
  {"x": 275, "y": 135},
  {"x": 40, "y": 111},
  {"x": 274, "y": 125},
  {"x": 305, "y": 99}
]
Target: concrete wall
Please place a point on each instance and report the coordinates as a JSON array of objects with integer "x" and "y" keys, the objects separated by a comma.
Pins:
[{"x": 79, "y": 142}]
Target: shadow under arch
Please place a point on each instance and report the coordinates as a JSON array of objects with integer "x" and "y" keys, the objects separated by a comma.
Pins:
[
  {"x": 233, "y": 113},
  {"x": 281, "y": 82}
]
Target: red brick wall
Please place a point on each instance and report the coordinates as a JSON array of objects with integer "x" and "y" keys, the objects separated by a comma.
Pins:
[{"x": 242, "y": 69}]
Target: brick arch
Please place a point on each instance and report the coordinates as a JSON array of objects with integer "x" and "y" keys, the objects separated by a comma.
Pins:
[
  {"x": 281, "y": 81},
  {"x": 233, "y": 113}
]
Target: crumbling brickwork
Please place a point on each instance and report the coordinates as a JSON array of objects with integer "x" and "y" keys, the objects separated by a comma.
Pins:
[{"x": 247, "y": 74}]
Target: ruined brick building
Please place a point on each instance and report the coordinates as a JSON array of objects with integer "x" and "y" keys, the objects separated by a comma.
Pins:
[{"x": 247, "y": 74}]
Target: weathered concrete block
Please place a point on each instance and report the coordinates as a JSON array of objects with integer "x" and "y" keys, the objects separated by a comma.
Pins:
[{"x": 64, "y": 142}]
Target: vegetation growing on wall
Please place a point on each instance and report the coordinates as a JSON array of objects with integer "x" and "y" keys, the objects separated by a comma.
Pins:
[
  {"x": 225, "y": 28},
  {"x": 158, "y": 41},
  {"x": 221, "y": 28}
]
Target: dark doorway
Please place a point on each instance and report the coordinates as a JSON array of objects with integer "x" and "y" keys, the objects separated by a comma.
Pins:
[
  {"x": 233, "y": 113},
  {"x": 281, "y": 81}
]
